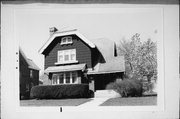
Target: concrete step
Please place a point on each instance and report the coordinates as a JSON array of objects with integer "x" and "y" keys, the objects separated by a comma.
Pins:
[{"x": 106, "y": 94}]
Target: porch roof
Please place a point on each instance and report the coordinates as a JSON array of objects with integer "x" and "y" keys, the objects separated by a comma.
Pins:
[
  {"x": 115, "y": 65},
  {"x": 74, "y": 67}
]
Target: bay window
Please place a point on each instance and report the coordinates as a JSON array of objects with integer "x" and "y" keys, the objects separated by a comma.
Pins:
[{"x": 65, "y": 78}]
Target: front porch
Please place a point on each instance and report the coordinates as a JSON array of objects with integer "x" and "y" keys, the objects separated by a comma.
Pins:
[{"x": 66, "y": 74}]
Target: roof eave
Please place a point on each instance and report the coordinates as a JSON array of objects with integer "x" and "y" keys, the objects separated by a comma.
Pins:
[
  {"x": 105, "y": 72},
  {"x": 33, "y": 68}
]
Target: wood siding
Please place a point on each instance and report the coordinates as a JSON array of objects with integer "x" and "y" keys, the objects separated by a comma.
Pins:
[
  {"x": 83, "y": 51},
  {"x": 23, "y": 74},
  {"x": 35, "y": 78}
]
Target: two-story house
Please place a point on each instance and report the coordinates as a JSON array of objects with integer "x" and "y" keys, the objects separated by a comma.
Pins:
[
  {"x": 71, "y": 58},
  {"x": 28, "y": 74}
]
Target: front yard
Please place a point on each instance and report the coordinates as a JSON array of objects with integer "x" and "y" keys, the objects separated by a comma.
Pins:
[
  {"x": 57, "y": 102},
  {"x": 131, "y": 101}
]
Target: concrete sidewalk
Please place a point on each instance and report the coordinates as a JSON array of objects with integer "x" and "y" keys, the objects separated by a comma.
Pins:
[{"x": 94, "y": 102}]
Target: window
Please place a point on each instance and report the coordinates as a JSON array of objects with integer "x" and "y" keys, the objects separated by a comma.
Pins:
[
  {"x": 74, "y": 77},
  {"x": 32, "y": 84},
  {"x": 60, "y": 56},
  {"x": 54, "y": 79},
  {"x": 61, "y": 78},
  {"x": 66, "y": 56},
  {"x": 27, "y": 87},
  {"x": 65, "y": 78},
  {"x": 66, "y": 40},
  {"x": 31, "y": 73}
]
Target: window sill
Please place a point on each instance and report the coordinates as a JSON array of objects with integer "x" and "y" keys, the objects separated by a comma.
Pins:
[
  {"x": 66, "y": 43},
  {"x": 65, "y": 84},
  {"x": 57, "y": 63}
]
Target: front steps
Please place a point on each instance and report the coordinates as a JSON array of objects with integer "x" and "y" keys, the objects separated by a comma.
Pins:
[{"x": 106, "y": 94}]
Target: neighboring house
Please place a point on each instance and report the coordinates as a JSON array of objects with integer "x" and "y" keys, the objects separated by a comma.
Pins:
[
  {"x": 28, "y": 74},
  {"x": 70, "y": 58}
]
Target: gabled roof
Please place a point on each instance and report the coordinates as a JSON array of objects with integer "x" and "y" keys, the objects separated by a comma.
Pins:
[
  {"x": 64, "y": 33},
  {"x": 105, "y": 46},
  {"x": 30, "y": 63}
]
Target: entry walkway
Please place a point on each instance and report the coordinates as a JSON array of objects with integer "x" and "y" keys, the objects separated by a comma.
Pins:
[
  {"x": 94, "y": 102},
  {"x": 100, "y": 97}
]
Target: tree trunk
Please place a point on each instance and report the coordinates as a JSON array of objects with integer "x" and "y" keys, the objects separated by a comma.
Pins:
[{"x": 149, "y": 78}]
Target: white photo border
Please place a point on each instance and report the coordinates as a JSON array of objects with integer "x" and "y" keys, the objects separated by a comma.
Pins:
[{"x": 10, "y": 99}]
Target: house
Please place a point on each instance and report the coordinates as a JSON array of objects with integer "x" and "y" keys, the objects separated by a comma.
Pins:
[
  {"x": 28, "y": 74},
  {"x": 71, "y": 58}
]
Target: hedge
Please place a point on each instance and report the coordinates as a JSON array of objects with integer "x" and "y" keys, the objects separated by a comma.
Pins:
[
  {"x": 127, "y": 87},
  {"x": 60, "y": 91}
]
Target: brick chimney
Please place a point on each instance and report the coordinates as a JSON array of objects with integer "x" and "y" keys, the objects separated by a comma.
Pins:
[{"x": 52, "y": 30}]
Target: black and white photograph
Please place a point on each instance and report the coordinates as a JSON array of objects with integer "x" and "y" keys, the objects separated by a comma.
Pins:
[
  {"x": 102, "y": 58},
  {"x": 87, "y": 58}
]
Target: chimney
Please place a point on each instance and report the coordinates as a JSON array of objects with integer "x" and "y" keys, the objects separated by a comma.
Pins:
[{"x": 52, "y": 30}]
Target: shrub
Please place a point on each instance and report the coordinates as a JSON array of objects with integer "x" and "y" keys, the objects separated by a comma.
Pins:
[
  {"x": 127, "y": 87},
  {"x": 25, "y": 95},
  {"x": 91, "y": 94},
  {"x": 60, "y": 91},
  {"x": 112, "y": 85}
]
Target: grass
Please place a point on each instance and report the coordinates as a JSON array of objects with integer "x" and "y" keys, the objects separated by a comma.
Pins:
[
  {"x": 58, "y": 102},
  {"x": 131, "y": 101}
]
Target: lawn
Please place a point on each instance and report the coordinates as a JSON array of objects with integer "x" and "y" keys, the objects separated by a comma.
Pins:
[
  {"x": 131, "y": 101},
  {"x": 57, "y": 102}
]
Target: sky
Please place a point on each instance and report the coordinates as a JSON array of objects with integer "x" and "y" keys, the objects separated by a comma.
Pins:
[{"x": 32, "y": 25}]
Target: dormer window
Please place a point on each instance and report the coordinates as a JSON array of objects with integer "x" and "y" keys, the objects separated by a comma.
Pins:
[{"x": 66, "y": 40}]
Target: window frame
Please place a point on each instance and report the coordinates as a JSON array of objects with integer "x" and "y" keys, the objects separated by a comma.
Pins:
[
  {"x": 66, "y": 39},
  {"x": 31, "y": 73},
  {"x": 27, "y": 87},
  {"x": 56, "y": 78},
  {"x": 69, "y": 53}
]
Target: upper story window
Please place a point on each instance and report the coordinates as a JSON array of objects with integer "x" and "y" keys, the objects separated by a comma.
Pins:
[
  {"x": 66, "y": 56},
  {"x": 66, "y": 40}
]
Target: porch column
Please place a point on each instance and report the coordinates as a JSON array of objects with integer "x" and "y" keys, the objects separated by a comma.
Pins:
[{"x": 91, "y": 83}]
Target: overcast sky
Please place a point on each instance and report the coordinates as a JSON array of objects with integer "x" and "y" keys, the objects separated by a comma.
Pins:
[{"x": 32, "y": 25}]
